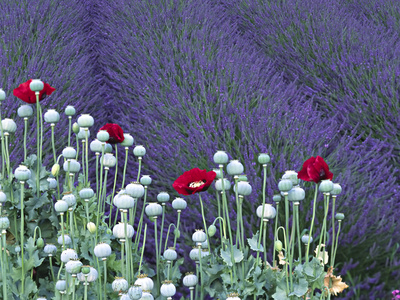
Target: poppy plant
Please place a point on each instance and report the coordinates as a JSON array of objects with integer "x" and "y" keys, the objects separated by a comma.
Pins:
[
  {"x": 315, "y": 169},
  {"x": 115, "y": 131},
  {"x": 24, "y": 92},
  {"x": 194, "y": 181}
]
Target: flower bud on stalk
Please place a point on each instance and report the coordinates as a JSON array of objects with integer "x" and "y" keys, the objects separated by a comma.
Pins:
[{"x": 55, "y": 170}]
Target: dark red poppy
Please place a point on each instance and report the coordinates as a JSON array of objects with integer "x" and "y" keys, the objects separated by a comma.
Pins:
[
  {"x": 315, "y": 169},
  {"x": 25, "y": 93},
  {"x": 115, "y": 131},
  {"x": 194, "y": 181}
]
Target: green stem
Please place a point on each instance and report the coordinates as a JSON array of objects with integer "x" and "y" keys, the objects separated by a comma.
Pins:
[
  {"x": 144, "y": 244},
  {"x": 296, "y": 212},
  {"x": 265, "y": 239},
  {"x": 155, "y": 241},
  {"x": 205, "y": 225},
  {"x": 86, "y": 286},
  {"x": 97, "y": 173},
  {"x": 219, "y": 208},
  {"x": 73, "y": 288},
  {"x": 127, "y": 244},
  {"x": 323, "y": 231},
  {"x": 201, "y": 274},
  {"x": 22, "y": 239},
  {"x": 37, "y": 144},
  {"x": 162, "y": 226},
  {"x": 241, "y": 221},
  {"x": 2, "y": 147},
  {"x": 177, "y": 226},
  {"x": 137, "y": 238},
  {"x": 166, "y": 239},
  {"x": 312, "y": 222},
  {"x": 238, "y": 211},
  {"x": 105, "y": 277},
  {"x": 25, "y": 133},
  {"x": 100, "y": 190},
  {"x": 83, "y": 161},
  {"x": 71, "y": 225},
  {"x": 262, "y": 214},
  {"x": 140, "y": 167},
  {"x": 77, "y": 147},
  {"x": 275, "y": 233},
  {"x": 337, "y": 241},
  {"x": 52, "y": 143},
  {"x": 115, "y": 183},
  {"x": 3, "y": 269},
  {"x": 291, "y": 245},
  {"x": 87, "y": 156},
  {"x": 62, "y": 230},
  {"x": 41, "y": 135},
  {"x": 126, "y": 162},
  {"x": 333, "y": 228},
  {"x": 51, "y": 268},
  {"x": 69, "y": 130},
  {"x": 123, "y": 258},
  {"x": 7, "y": 156},
  {"x": 286, "y": 260}
]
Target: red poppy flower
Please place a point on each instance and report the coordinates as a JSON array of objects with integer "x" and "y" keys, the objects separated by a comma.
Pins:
[
  {"x": 315, "y": 169},
  {"x": 194, "y": 181},
  {"x": 116, "y": 133},
  {"x": 25, "y": 93}
]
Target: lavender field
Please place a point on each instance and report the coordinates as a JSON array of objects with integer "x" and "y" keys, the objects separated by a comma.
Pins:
[{"x": 291, "y": 78}]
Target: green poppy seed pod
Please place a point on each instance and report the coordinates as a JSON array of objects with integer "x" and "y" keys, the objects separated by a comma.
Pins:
[
  {"x": 212, "y": 230},
  {"x": 52, "y": 183},
  {"x": 218, "y": 172},
  {"x": 91, "y": 227},
  {"x": 179, "y": 204},
  {"x": 305, "y": 238},
  {"x": 263, "y": 158},
  {"x": 50, "y": 249},
  {"x": 146, "y": 295},
  {"x": 170, "y": 254},
  {"x": 278, "y": 245},
  {"x": 108, "y": 231},
  {"x": 153, "y": 210},
  {"x": 67, "y": 240},
  {"x": 190, "y": 280},
  {"x": 119, "y": 231},
  {"x": 128, "y": 140},
  {"x": 277, "y": 198},
  {"x": 69, "y": 198},
  {"x": 68, "y": 254},
  {"x": 269, "y": 211},
  {"x": 145, "y": 180},
  {"x": 55, "y": 170},
  {"x": 91, "y": 276},
  {"x": 9, "y": 125},
  {"x": 163, "y": 197},
  {"x": 103, "y": 136},
  {"x": 244, "y": 188},
  {"x": 85, "y": 270},
  {"x": 285, "y": 185},
  {"x": 70, "y": 110},
  {"x": 135, "y": 292},
  {"x": 74, "y": 166},
  {"x": 61, "y": 285},
  {"x": 86, "y": 193},
  {"x": 194, "y": 254},
  {"x": 82, "y": 133},
  {"x": 168, "y": 289},
  {"x": 102, "y": 250},
  {"x": 4, "y": 222},
  {"x": 22, "y": 173},
  {"x": 95, "y": 146},
  {"x": 243, "y": 178},
  {"x": 296, "y": 194},
  {"x": 109, "y": 160},
  {"x": 135, "y": 189},
  {"x": 61, "y": 206},
  {"x": 3, "y": 197},
  {"x": 220, "y": 157},
  {"x": 69, "y": 153},
  {"x": 177, "y": 233},
  {"x": 233, "y": 296},
  {"x": 108, "y": 148},
  {"x": 51, "y": 116},
  {"x": 120, "y": 285},
  {"x": 36, "y": 85},
  {"x": 144, "y": 282},
  {"x": 218, "y": 185},
  {"x": 339, "y": 216},
  {"x": 75, "y": 128},
  {"x": 73, "y": 266},
  {"x": 2, "y": 95},
  {"x": 337, "y": 189},
  {"x": 25, "y": 111},
  {"x": 326, "y": 186},
  {"x": 139, "y": 151},
  {"x": 85, "y": 120},
  {"x": 234, "y": 168},
  {"x": 39, "y": 243},
  {"x": 199, "y": 236},
  {"x": 292, "y": 175}
]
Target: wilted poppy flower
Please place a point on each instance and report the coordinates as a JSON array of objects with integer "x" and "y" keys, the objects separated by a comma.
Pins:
[
  {"x": 115, "y": 131},
  {"x": 194, "y": 181},
  {"x": 315, "y": 169},
  {"x": 25, "y": 93}
]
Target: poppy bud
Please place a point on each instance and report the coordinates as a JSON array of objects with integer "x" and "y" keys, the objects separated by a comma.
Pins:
[
  {"x": 40, "y": 243},
  {"x": 2, "y": 95},
  {"x": 212, "y": 230},
  {"x": 278, "y": 245},
  {"x": 91, "y": 227},
  {"x": 177, "y": 233},
  {"x": 55, "y": 170},
  {"x": 75, "y": 128}
]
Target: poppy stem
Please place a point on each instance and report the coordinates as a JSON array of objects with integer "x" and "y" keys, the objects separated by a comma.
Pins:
[
  {"x": 162, "y": 226},
  {"x": 37, "y": 145},
  {"x": 333, "y": 228},
  {"x": 177, "y": 226},
  {"x": 166, "y": 239},
  {"x": 205, "y": 225},
  {"x": 25, "y": 133},
  {"x": 275, "y": 234},
  {"x": 236, "y": 178},
  {"x": 69, "y": 130},
  {"x": 140, "y": 167},
  {"x": 115, "y": 183},
  {"x": 87, "y": 156},
  {"x": 144, "y": 244},
  {"x": 22, "y": 239},
  {"x": 337, "y": 241},
  {"x": 3, "y": 270},
  {"x": 312, "y": 222},
  {"x": 52, "y": 143},
  {"x": 137, "y": 238},
  {"x": 126, "y": 162},
  {"x": 100, "y": 190},
  {"x": 323, "y": 231},
  {"x": 2, "y": 146}
]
